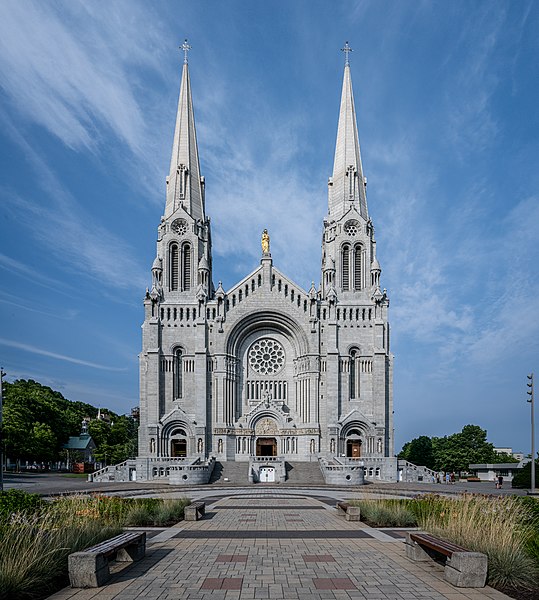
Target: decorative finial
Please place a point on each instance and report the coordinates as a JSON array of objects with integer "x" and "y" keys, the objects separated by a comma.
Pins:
[
  {"x": 346, "y": 51},
  {"x": 186, "y": 47}
]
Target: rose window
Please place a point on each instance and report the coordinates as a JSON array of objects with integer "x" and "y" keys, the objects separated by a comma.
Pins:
[
  {"x": 266, "y": 356},
  {"x": 351, "y": 228},
  {"x": 179, "y": 226}
]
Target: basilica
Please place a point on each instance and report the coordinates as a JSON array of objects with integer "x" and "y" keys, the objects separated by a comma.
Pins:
[{"x": 266, "y": 370}]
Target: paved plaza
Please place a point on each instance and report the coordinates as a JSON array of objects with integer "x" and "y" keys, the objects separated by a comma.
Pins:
[{"x": 268, "y": 543}]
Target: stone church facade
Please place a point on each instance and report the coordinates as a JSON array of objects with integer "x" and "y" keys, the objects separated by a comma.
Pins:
[{"x": 266, "y": 368}]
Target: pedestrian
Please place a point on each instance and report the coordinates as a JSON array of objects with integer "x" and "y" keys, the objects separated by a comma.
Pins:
[
  {"x": 447, "y": 478},
  {"x": 500, "y": 482}
]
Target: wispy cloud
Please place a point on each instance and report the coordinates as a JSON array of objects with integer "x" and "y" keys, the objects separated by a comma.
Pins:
[
  {"x": 87, "y": 246},
  {"x": 55, "y": 355}
]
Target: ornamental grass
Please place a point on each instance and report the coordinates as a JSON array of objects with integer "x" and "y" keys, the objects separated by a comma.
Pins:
[
  {"x": 503, "y": 528},
  {"x": 386, "y": 513},
  {"x": 35, "y": 544},
  {"x": 34, "y": 547},
  {"x": 506, "y": 529}
]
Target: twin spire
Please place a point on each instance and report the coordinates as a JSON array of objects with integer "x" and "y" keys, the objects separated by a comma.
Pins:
[{"x": 185, "y": 186}]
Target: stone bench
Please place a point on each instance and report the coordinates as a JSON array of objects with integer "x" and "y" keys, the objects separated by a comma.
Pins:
[
  {"x": 195, "y": 511},
  {"x": 90, "y": 568},
  {"x": 351, "y": 513},
  {"x": 462, "y": 567}
]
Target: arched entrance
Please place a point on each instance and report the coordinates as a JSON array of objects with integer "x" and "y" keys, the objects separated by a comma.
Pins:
[
  {"x": 353, "y": 444},
  {"x": 266, "y": 446},
  {"x": 353, "y": 448},
  {"x": 178, "y": 448}
]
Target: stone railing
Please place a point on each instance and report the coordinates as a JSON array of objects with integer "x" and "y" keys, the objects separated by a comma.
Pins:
[
  {"x": 119, "y": 472},
  {"x": 342, "y": 472},
  {"x": 194, "y": 473},
  {"x": 415, "y": 473},
  {"x": 275, "y": 462}
]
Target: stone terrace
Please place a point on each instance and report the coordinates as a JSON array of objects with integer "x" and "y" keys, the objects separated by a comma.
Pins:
[{"x": 270, "y": 545}]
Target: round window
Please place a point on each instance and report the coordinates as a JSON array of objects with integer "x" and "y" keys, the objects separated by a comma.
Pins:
[{"x": 266, "y": 356}]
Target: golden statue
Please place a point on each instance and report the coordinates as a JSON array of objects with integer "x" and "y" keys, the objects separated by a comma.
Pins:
[{"x": 265, "y": 242}]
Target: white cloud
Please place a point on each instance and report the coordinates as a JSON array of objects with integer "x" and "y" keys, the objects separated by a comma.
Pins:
[{"x": 55, "y": 355}]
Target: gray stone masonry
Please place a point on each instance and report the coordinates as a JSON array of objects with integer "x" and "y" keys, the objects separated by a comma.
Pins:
[{"x": 266, "y": 368}]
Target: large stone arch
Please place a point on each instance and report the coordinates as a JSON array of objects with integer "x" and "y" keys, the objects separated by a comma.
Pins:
[
  {"x": 175, "y": 430},
  {"x": 266, "y": 320},
  {"x": 252, "y": 387}
]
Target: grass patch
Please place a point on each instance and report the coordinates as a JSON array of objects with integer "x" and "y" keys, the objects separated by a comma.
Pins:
[
  {"x": 37, "y": 537},
  {"x": 503, "y": 528},
  {"x": 385, "y": 513},
  {"x": 506, "y": 529},
  {"x": 34, "y": 547}
]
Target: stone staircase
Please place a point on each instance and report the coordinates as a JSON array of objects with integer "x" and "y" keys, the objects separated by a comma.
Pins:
[
  {"x": 304, "y": 473},
  {"x": 237, "y": 473}
]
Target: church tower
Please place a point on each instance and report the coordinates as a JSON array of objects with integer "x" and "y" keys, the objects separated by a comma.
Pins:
[
  {"x": 359, "y": 365},
  {"x": 266, "y": 372}
]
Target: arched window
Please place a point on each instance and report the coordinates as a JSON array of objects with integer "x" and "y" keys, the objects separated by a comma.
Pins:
[
  {"x": 178, "y": 373},
  {"x": 173, "y": 267},
  {"x": 357, "y": 267},
  {"x": 186, "y": 266},
  {"x": 345, "y": 263},
  {"x": 354, "y": 374}
]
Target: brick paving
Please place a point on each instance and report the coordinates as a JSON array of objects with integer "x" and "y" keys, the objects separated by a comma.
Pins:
[{"x": 317, "y": 555}]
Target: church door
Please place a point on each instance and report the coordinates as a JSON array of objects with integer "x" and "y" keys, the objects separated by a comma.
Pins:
[
  {"x": 353, "y": 448},
  {"x": 178, "y": 448},
  {"x": 266, "y": 447},
  {"x": 267, "y": 475}
]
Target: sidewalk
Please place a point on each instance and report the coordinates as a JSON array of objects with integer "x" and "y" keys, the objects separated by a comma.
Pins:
[{"x": 270, "y": 545}]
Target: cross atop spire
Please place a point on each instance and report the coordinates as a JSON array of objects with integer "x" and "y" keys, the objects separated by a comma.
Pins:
[
  {"x": 346, "y": 51},
  {"x": 347, "y": 185},
  {"x": 186, "y": 47}
]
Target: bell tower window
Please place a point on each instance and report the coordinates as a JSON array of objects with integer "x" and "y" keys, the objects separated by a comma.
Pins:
[
  {"x": 173, "y": 267},
  {"x": 178, "y": 374},
  {"x": 345, "y": 265},
  {"x": 186, "y": 267},
  {"x": 357, "y": 267}
]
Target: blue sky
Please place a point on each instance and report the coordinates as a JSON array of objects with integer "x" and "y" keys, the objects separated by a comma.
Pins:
[{"x": 447, "y": 103}]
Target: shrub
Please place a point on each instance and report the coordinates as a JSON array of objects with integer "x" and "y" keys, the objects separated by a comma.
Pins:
[
  {"x": 159, "y": 513},
  {"x": 13, "y": 501},
  {"x": 385, "y": 513},
  {"x": 523, "y": 478}
]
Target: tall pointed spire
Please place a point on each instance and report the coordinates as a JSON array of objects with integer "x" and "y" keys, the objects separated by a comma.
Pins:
[
  {"x": 347, "y": 186},
  {"x": 184, "y": 184}
]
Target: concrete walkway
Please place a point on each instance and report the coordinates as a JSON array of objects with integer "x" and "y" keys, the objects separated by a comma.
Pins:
[{"x": 266, "y": 544}]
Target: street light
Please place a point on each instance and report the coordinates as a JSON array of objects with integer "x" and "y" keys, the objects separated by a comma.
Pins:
[
  {"x": 531, "y": 400},
  {"x": 1, "y": 431}
]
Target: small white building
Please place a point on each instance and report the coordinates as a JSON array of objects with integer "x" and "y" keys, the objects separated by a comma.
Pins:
[{"x": 488, "y": 472}]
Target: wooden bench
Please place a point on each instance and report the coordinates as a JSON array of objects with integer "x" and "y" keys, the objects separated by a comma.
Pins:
[
  {"x": 462, "y": 567},
  {"x": 90, "y": 567},
  {"x": 351, "y": 513},
  {"x": 195, "y": 511}
]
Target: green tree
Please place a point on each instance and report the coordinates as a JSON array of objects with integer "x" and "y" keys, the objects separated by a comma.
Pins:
[
  {"x": 419, "y": 452},
  {"x": 39, "y": 420},
  {"x": 457, "y": 451}
]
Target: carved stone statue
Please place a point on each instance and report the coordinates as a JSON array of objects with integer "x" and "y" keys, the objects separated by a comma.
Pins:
[{"x": 265, "y": 242}]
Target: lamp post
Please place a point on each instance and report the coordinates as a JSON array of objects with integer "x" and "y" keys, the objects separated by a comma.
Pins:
[
  {"x": 531, "y": 400},
  {"x": 1, "y": 431}
]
